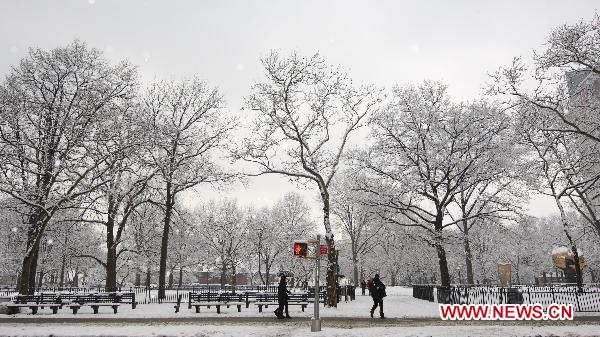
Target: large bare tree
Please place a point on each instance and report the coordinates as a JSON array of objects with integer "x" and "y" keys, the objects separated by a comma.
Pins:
[
  {"x": 426, "y": 151},
  {"x": 51, "y": 108},
  {"x": 305, "y": 114},
  {"x": 188, "y": 126}
]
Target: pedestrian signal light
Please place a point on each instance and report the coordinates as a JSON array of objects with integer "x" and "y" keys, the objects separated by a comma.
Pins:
[{"x": 300, "y": 249}]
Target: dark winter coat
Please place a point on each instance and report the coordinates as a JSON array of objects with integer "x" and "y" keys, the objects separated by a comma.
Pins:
[
  {"x": 282, "y": 292},
  {"x": 377, "y": 289}
]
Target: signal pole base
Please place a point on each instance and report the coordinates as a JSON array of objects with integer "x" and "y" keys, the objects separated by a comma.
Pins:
[{"x": 315, "y": 325}]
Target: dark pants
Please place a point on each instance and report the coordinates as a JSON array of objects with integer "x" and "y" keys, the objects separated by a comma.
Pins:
[
  {"x": 283, "y": 305},
  {"x": 363, "y": 291},
  {"x": 378, "y": 302}
]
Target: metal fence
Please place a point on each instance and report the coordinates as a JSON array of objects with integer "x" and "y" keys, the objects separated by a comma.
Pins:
[{"x": 587, "y": 300}]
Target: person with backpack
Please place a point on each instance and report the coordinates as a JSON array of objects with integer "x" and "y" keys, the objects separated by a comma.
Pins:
[
  {"x": 378, "y": 293},
  {"x": 282, "y": 299}
]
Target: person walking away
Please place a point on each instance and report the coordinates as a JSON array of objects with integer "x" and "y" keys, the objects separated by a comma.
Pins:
[
  {"x": 282, "y": 299},
  {"x": 363, "y": 285},
  {"x": 378, "y": 293},
  {"x": 369, "y": 284}
]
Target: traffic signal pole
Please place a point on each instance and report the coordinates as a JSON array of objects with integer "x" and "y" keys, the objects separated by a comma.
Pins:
[{"x": 316, "y": 321}]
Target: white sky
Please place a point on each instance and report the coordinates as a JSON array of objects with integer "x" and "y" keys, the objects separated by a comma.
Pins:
[{"x": 380, "y": 42}]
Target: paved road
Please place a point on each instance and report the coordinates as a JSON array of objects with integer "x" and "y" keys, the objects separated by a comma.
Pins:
[{"x": 335, "y": 322}]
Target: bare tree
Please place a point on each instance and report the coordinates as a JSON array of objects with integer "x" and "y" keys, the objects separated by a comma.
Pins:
[
  {"x": 559, "y": 166},
  {"x": 362, "y": 227},
  {"x": 51, "y": 106},
  {"x": 426, "y": 150},
  {"x": 113, "y": 204},
  {"x": 565, "y": 78},
  {"x": 224, "y": 228},
  {"x": 306, "y": 112},
  {"x": 188, "y": 126}
]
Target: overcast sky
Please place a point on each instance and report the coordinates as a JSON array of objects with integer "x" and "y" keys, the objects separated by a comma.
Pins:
[{"x": 381, "y": 42}]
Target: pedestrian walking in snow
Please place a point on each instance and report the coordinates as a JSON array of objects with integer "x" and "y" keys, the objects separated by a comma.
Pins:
[
  {"x": 378, "y": 293},
  {"x": 282, "y": 299},
  {"x": 369, "y": 284},
  {"x": 363, "y": 286}
]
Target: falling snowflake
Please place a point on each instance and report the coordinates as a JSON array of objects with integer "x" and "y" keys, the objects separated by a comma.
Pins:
[
  {"x": 92, "y": 2},
  {"x": 146, "y": 56},
  {"x": 414, "y": 48},
  {"x": 239, "y": 67}
]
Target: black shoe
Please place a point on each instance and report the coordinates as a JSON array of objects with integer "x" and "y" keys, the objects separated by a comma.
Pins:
[
  {"x": 288, "y": 316},
  {"x": 382, "y": 317},
  {"x": 280, "y": 317}
]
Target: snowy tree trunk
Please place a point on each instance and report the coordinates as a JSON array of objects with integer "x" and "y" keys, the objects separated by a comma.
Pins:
[
  {"x": 180, "y": 283},
  {"x": 441, "y": 252},
  {"x": 111, "y": 257},
  {"x": 29, "y": 266},
  {"x": 148, "y": 276},
  {"x": 164, "y": 247},
  {"x": 468, "y": 255},
  {"x": 62, "y": 271},
  {"x": 563, "y": 218},
  {"x": 331, "y": 256}
]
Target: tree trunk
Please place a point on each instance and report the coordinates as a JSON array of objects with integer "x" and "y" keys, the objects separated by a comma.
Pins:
[
  {"x": 40, "y": 278},
  {"x": 76, "y": 278},
  {"x": 29, "y": 266},
  {"x": 563, "y": 217},
  {"x": 148, "y": 276},
  {"x": 180, "y": 277},
  {"x": 111, "y": 258},
  {"x": 164, "y": 247},
  {"x": 355, "y": 268},
  {"x": 62, "y": 271},
  {"x": 233, "y": 278},
  {"x": 331, "y": 255},
  {"x": 468, "y": 258},
  {"x": 138, "y": 277},
  {"x": 441, "y": 252},
  {"x": 171, "y": 278}
]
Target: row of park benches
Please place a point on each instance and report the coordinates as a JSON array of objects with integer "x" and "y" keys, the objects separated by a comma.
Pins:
[
  {"x": 260, "y": 300},
  {"x": 72, "y": 301}
]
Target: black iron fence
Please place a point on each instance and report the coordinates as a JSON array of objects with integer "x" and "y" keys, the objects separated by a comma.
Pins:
[{"x": 586, "y": 300}]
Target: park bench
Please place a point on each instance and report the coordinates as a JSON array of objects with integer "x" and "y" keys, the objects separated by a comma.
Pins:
[
  {"x": 95, "y": 301},
  {"x": 251, "y": 297},
  {"x": 35, "y": 302},
  {"x": 209, "y": 300},
  {"x": 266, "y": 299}
]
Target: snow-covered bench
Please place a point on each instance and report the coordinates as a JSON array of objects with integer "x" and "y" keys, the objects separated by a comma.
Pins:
[
  {"x": 270, "y": 299},
  {"x": 209, "y": 300},
  {"x": 95, "y": 301},
  {"x": 34, "y": 302}
]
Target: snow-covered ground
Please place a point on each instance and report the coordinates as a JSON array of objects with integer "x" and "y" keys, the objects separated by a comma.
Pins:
[
  {"x": 294, "y": 330},
  {"x": 398, "y": 304}
]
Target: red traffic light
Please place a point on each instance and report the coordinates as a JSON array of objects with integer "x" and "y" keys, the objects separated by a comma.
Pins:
[
  {"x": 300, "y": 249},
  {"x": 323, "y": 249}
]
